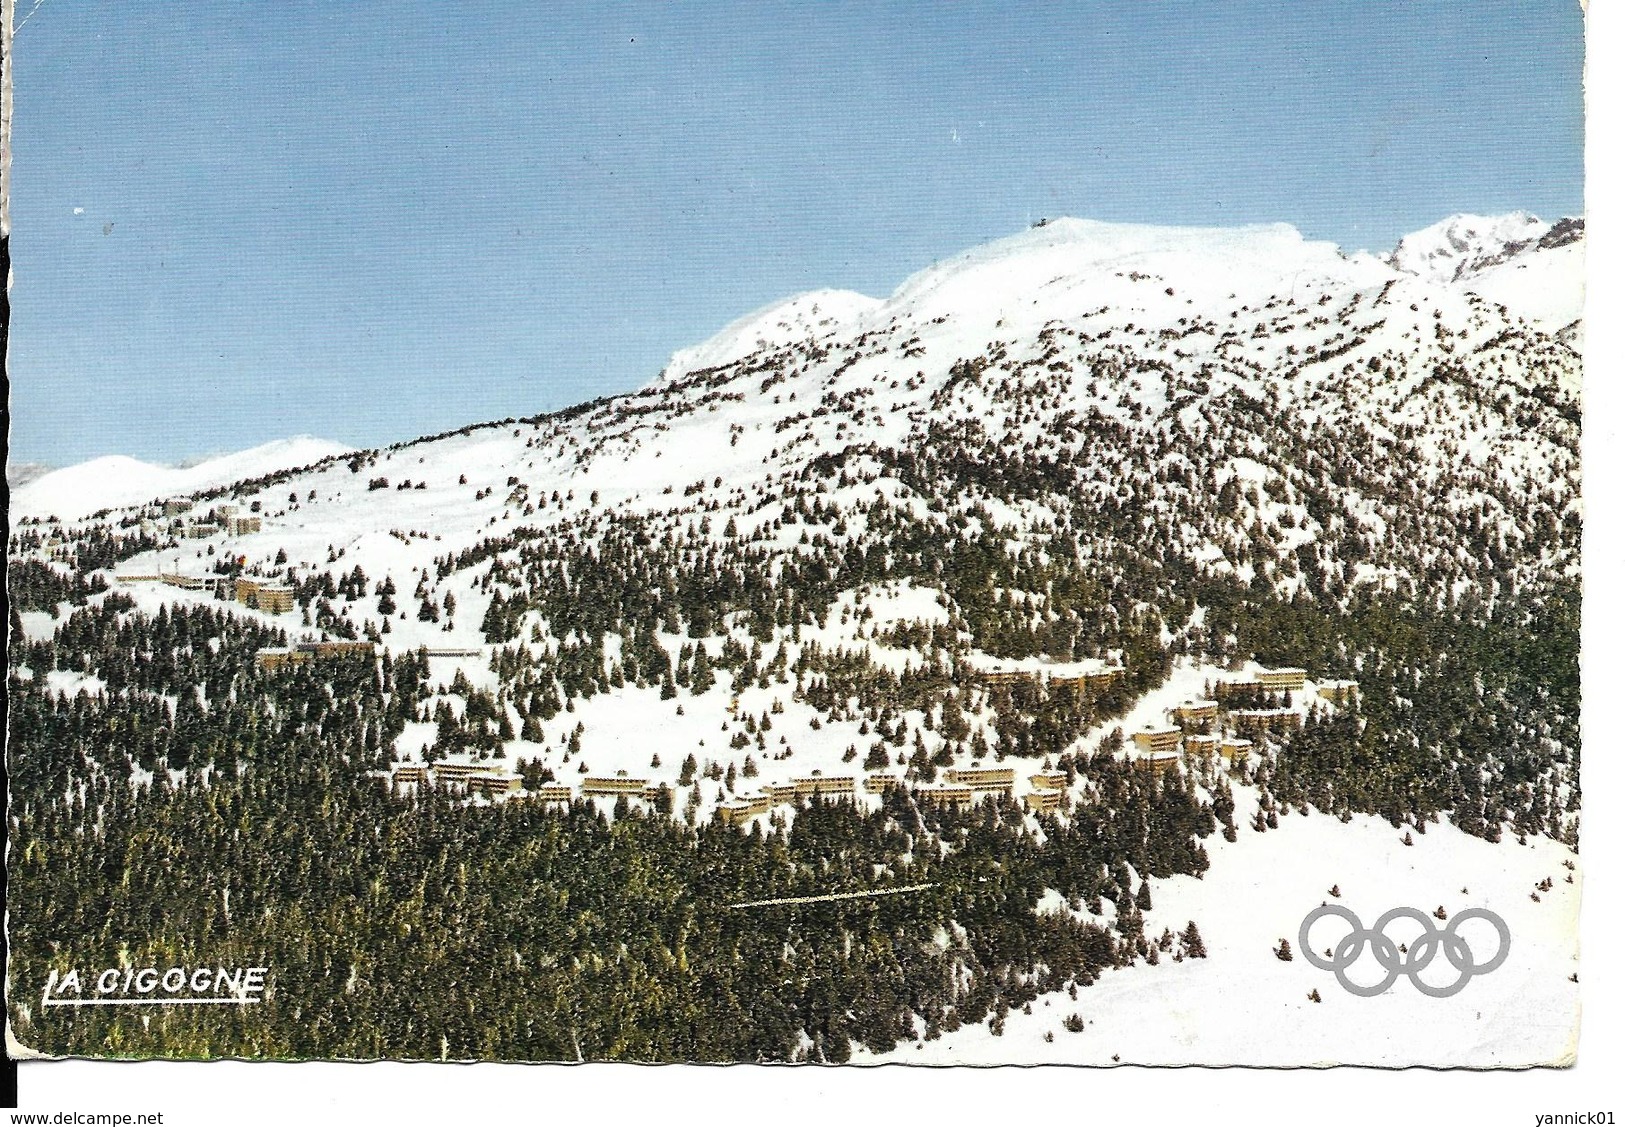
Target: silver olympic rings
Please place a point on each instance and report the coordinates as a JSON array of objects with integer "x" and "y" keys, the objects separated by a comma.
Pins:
[{"x": 1415, "y": 959}]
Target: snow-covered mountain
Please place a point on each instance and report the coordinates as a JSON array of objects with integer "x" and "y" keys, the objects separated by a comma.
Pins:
[
  {"x": 1182, "y": 453},
  {"x": 1533, "y": 268},
  {"x": 1455, "y": 248},
  {"x": 116, "y": 480}
]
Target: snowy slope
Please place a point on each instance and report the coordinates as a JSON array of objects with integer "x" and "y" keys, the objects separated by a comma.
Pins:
[
  {"x": 803, "y": 318},
  {"x": 116, "y": 480},
  {"x": 1243, "y": 1006}
]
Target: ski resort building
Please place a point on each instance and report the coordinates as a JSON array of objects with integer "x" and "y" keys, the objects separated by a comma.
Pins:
[
  {"x": 550, "y": 792},
  {"x": 1203, "y": 745},
  {"x": 1157, "y": 741},
  {"x": 983, "y": 778},
  {"x": 1160, "y": 761},
  {"x": 957, "y": 797},
  {"x": 817, "y": 784},
  {"x": 1282, "y": 680},
  {"x": 1234, "y": 748},
  {"x": 620, "y": 784},
  {"x": 491, "y": 784},
  {"x": 880, "y": 784},
  {"x": 279, "y": 657},
  {"x": 262, "y": 594},
  {"x": 1229, "y": 689},
  {"x": 415, "y": 774},
  {"x": 1276, "y": 720},
  {"x": 241, "y": 526},
  {"x": 744, "y": 809},
  {"x": 1048, "y": 780},
  {"x": 1196, "y": 712},
  {"x": 1340, "y": 693},
  {"x": 1044, "y": 801}
]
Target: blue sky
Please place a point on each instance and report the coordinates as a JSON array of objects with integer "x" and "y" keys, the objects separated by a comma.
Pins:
[{"x": 374, "y": 220}]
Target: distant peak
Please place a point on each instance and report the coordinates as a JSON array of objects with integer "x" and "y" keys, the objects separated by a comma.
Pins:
[{"x": 1462, "y": 244}]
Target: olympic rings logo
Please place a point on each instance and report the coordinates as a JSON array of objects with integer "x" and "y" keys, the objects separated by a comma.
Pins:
[{"x": 1414, "y": 959}]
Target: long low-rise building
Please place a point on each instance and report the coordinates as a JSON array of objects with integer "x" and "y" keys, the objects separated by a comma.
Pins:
[
  {"x": 881, "y": 784},
  {"x": 1339, "y": 692},
  {"x": 1196, "y": 712},
  {"x": 983, "y": 778},
  {"x": 1227, "y": 690},
  {"x": 1044, "y": 801},
  {"x": 265, "y": 595},
  {"x": 1289, "y": 679},
  {"x": 1159, "y": 761},
  {"x": 1276, "y": 720},
  {"x": 491, "y": 785},
  {"x": 744, "y": 809},
  {"x": 1048, "y": 780},
  {"x": 602, "y": 785},
  {"x": 959, "y": 797},
  {"x": 1154, "y": 741},
  {"x": 1202, "y": 744},
  {"x": 817, "y": 785},
  {"x": 1234, "y": 748},
  {"x": 279, "y": 657},
  {"x": 455, "y": 772},
  {"x": 549, "y": 792}
]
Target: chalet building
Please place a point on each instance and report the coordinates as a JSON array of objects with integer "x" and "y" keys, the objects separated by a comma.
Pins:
[
  {"x": 1276, "y": 720},
  {"x": 1155, "y": 741},
  {"x": 620, "y": 784},
  {"x": 1044, "y": 801},
  {"x": 1048, "y": 780},
  {"x": 1282, "y": 680},
  {"x": 1196, "y": 712},
  {"x": 1234, "y": 748},
  {"x": 983, "y": 778},
  {"x": 1202, "y": 745},
  {"x": 1340, "y": 693},
  {"x": 957, "y": 797},
  {"x": 880, "y": 784}
]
